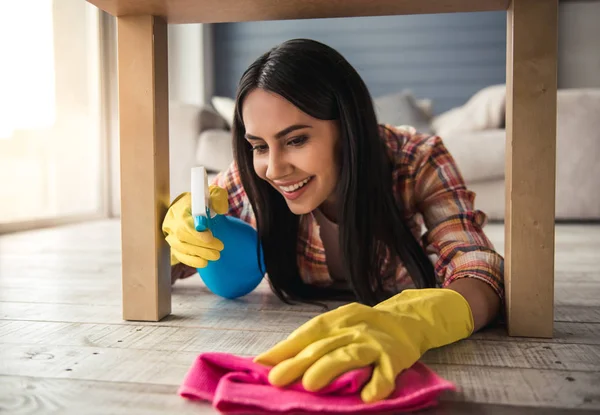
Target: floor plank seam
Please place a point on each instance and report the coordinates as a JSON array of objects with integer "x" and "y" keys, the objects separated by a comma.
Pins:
[
  {"x": 169, "y": 385},
  {"x": 512, "y": 340},
  {"x": 270, "y": 310},
  {"x": 540, "y": 342},
  {"x": 147, "y": 324},
  {"x": 577, "y": 322},
  {"x": 510, "y": 368}
]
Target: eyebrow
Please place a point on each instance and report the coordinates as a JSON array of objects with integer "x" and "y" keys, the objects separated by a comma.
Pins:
[{"x": 281, "y": 133}]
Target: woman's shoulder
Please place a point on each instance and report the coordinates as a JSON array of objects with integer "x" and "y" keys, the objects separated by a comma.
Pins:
[
  {"x": 229, "y": 178},
  {"x": 239, "y": 205},
  {"x": 406, "y": 146}
]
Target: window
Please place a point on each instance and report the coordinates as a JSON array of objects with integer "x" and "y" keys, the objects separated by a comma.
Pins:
[{"x": 51, "y": 143}]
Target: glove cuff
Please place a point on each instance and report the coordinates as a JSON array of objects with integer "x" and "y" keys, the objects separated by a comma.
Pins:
[{"x": 444, "y": 315}]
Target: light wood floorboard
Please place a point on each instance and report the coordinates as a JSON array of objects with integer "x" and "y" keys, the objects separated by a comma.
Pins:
[{"x": 64, "y": 347}]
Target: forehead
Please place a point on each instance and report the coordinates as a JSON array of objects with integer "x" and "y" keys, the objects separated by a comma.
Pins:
[{"x": 265, "y": 113}]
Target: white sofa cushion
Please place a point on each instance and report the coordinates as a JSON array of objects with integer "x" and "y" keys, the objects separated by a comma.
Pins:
[
  {"x": 483, "y": 111},
  {"x": 479, "y": 155}
]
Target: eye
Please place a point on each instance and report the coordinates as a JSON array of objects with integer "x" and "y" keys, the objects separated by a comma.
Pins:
[
  {"x": 298, "y": 141},
  {"x": 259, "y": 148}
]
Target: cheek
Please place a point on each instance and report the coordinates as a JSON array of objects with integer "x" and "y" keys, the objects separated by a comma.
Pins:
[
  {"x": 329, "y": 167},
  {"x": 260, "y": 166},
  {"x": 327, "y": 159}
]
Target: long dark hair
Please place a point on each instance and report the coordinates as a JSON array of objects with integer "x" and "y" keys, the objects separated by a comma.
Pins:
[{"x": 320, "y": 82}]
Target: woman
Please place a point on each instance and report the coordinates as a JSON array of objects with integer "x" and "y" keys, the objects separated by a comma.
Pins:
[{"x": 339, "y": 203}]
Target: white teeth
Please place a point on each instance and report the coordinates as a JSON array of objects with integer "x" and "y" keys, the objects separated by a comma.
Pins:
[{"x": 294, "y": 187}]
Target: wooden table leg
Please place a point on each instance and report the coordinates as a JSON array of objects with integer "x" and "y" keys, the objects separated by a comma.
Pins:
[
  {"x": 531, "y": 78},
  {"x": 144, "y": 152}
]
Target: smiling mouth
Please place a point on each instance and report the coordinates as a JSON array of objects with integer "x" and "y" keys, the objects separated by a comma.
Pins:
[{"x": 295, "y": 187}]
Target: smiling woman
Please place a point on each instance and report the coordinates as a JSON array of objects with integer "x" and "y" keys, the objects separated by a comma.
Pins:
[{"x": 339, "y": 202}]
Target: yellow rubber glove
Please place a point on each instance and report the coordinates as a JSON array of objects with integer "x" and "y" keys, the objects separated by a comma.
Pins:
[
  {"x": 391, "y": 336},
  {"x": 189, "y": 246}
]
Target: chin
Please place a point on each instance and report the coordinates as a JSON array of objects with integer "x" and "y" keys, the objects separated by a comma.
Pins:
[{"x": 300, "y": 209}]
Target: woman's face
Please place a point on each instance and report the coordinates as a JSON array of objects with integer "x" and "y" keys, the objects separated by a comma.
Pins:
[{"x": 296, "y": 153}]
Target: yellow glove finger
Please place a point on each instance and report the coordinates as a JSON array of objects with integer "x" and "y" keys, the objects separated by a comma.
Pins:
[
  {"x": 179, "y": 220},
  {"x": 283, "y": 350},
  {"x": 293, "y": 368},
  {"x": 288, "y": 348},
  {"x": 184, "y": 227},
  {"x": 189, "y": 260},
  {"x": 382, "y": 383},
  {"x": 219, "y": 199},
  {"x": 203, "y": 239},
  {"x": 179, "y": 210},
  {"x": 310, "y": 332},
  {"x": 187, "y": 249},
  {"x": 338, "y": 362},
  {"x": 183, "y": 195}
]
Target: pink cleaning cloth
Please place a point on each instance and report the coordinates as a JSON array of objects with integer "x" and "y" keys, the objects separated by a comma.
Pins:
[{"x": 236, "y": 385}]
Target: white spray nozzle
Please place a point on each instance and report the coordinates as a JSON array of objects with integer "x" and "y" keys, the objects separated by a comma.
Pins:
[
  {"x": 201, "y": 209},
  {"x": 200, "y": 193}
]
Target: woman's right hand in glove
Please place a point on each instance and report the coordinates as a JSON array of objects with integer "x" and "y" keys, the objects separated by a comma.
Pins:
[{"x": 189, "y": 246}]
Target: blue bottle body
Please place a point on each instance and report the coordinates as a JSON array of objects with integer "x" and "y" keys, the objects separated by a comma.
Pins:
[{"x": 237, "y": 272}]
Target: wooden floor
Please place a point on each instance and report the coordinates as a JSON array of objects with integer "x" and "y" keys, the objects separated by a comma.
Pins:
[{"x": 65, "y": 349}]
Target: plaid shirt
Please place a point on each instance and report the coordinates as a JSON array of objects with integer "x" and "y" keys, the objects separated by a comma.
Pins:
[{"x": 438, "y": 206}]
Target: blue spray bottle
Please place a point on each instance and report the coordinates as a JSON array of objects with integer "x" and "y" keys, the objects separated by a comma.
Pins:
[{"x": 237, "y": 271}]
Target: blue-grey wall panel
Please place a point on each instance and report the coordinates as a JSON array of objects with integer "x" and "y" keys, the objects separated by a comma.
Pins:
[{"x": 444, "y": 57}]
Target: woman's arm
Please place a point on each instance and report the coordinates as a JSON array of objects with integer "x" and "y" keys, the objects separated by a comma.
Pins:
[
  {"x": 484, "y": 302},
  {"x": 180, "y": 271},
  {"x": 466, "y": 260}
]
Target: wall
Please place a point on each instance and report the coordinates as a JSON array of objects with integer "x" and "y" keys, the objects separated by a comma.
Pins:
[
  {"x": 445, "y": 57},
  {"x": 187, "y": 68},
  {"x": 579, "y": 44}
]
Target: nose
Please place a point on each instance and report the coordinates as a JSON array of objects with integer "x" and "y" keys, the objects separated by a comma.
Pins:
[{"x": 278, "y": 166}]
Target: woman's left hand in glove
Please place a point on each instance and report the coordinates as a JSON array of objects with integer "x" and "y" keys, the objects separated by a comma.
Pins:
[{"x": 391, "y": 336}]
